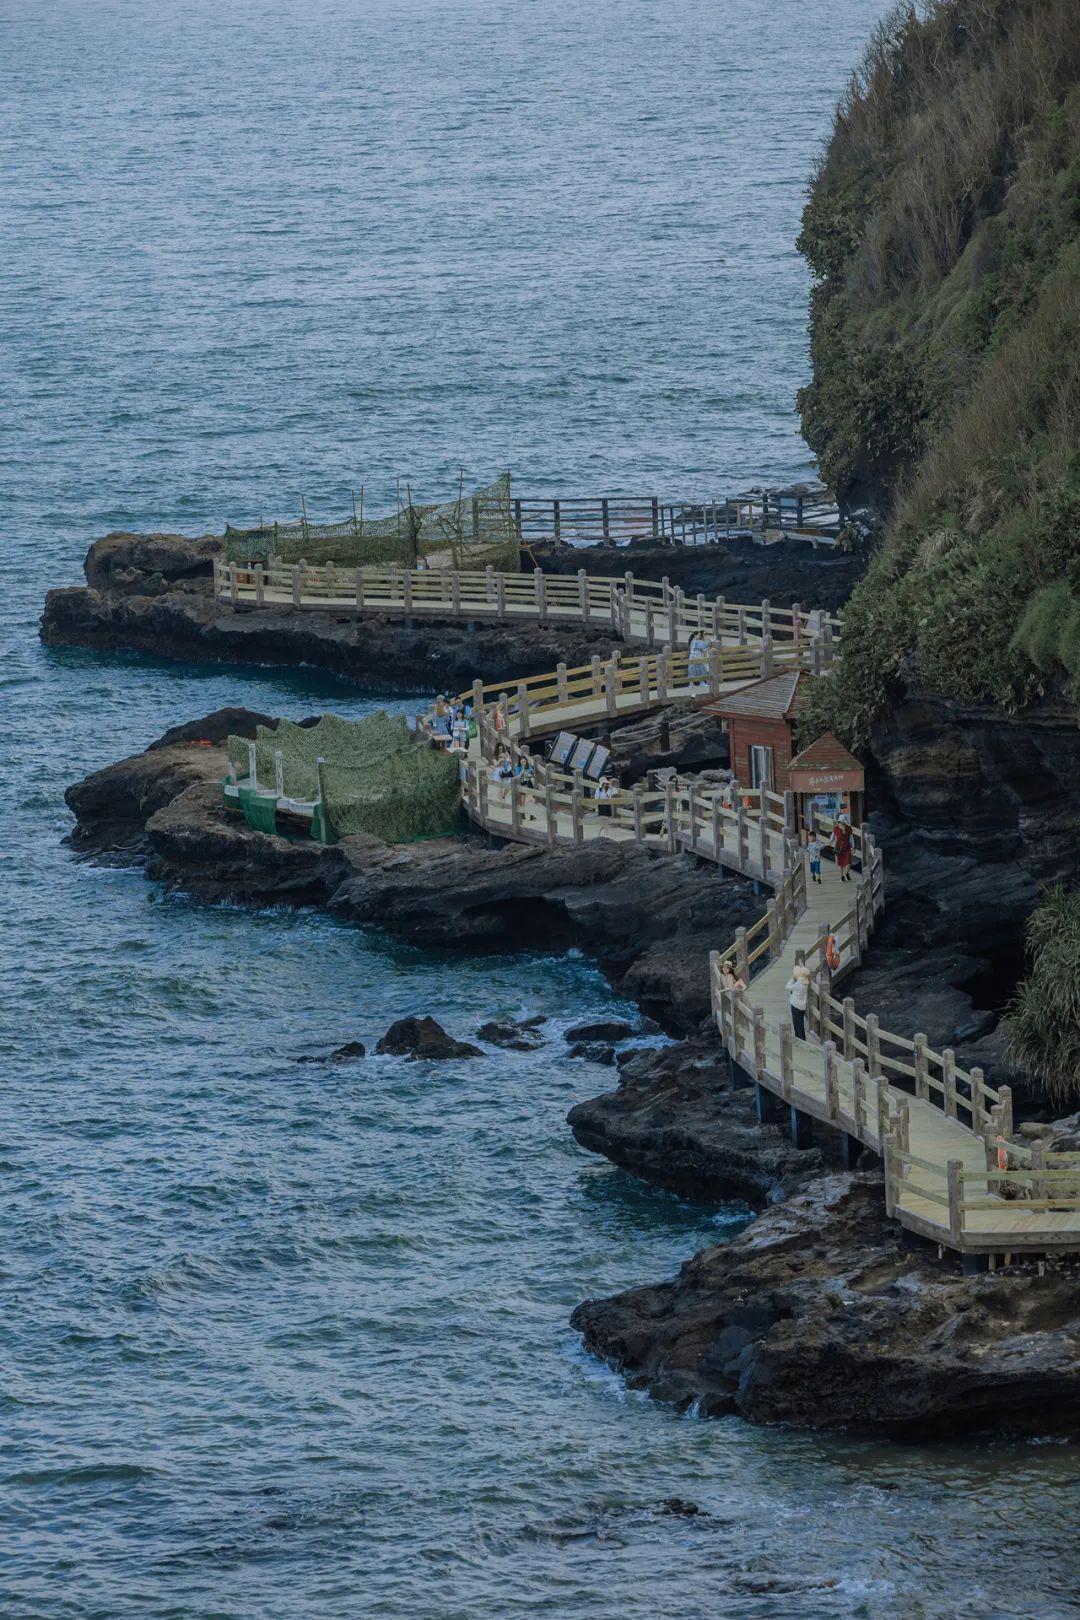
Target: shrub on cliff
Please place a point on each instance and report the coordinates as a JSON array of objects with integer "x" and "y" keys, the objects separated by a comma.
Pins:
[
  {"x": 943, "y": 226},
  {"x": 1042, "y": 1025}
]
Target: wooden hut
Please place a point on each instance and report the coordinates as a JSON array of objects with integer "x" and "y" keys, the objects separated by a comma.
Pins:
[
  {"x": 759, "y": 721},
  {"x": 828, "y": 780}
]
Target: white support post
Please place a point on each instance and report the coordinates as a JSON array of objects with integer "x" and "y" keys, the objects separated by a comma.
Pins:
[{"x": 279, "y": 775}]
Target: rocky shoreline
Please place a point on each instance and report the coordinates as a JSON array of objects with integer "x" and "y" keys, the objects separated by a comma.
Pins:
[{"x": 817, "y": 1314}]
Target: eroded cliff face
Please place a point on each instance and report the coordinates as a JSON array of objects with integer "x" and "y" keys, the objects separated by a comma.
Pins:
[{"x": 974, "y": 809}]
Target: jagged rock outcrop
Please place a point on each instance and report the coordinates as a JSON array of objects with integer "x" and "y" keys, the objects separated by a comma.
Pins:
[
  {"x": 676, "y": 1120},
  {"x": 816, "y": 1316},
  {"x": 423, "y": 1040}
]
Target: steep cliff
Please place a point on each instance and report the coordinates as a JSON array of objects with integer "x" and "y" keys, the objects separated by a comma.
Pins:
[{"x": 943, "y": 228}]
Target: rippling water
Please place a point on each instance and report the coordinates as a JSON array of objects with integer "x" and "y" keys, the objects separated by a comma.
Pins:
[{"x": 289, "y": 1341}]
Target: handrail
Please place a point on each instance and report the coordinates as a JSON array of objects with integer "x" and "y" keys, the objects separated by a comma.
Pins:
[{"x": 648, "y": 611}]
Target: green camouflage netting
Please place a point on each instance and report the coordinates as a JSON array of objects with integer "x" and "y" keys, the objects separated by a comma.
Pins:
[
  {"x": 397, "y": 797},
  {"x": 372, "y": 777},
  {"x": 474, "y": 530}
]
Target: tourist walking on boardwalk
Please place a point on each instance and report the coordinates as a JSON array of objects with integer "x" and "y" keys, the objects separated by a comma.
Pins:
[
  {"x": 698, "y": 668},
  {"x": 813, "y": 849},
  {"x": 605, "y": 793},
  {"x": 502, "y": 773},
  {"x": 798, "y": 989},
  {"x": 841, "y": 835}
]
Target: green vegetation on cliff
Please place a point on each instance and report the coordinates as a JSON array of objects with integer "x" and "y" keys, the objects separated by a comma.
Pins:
[
  {"x": 943, "y": 227},
  {"x": 1042, "y": 1027}
]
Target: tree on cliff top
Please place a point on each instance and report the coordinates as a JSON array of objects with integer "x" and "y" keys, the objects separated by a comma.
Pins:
[
  {"x": 943, "y": 227},
  {"x": 1042, "y": 1025}
]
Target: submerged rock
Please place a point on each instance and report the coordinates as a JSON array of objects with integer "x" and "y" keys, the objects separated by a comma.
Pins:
[
  {"x": 522, "y": 1035},
  {"x": 609, "y": 1029},
  {"x": 817, "y": 1316},
  {"x": 593, "y": 1051},
  {"x": 423, "y": 1038},
  {"x": 343, "y": 1054}
]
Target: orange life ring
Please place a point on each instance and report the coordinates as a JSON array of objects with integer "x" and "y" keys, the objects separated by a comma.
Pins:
[{"x": 832, "y": 954}]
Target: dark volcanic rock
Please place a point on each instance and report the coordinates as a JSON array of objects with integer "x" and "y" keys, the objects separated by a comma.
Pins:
[
  {"x": 974, "y": 810},
  {"x": 520, "y": 1036},
  {"x": 149, "y": 563},
  {"x": 816, "y": 1316},
  {"x": 113, "y": 805},
  {"x": 343, "y": 1054},
  {"x": 593, "y": 1052},
  {"x": 789, "y": 571},
  {"x": 423, "y": 1038},
  {"x": 154, "y": 594},
  {"x": 610, "y": 1029},
  {"x": 649, "y": 918},
  {"x": 676, "y": 1120}
]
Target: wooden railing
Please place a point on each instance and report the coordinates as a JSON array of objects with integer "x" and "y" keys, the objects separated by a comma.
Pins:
[
  {"x": 617, "y": 519},
  {"x": 648, "y": 611}
]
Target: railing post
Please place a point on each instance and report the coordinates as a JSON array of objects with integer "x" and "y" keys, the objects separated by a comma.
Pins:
[
  {"x": 639, "y": 812},
  {"x": 873, "y": 1044},
  {"x": 858, "y": 1097},
  {"x": 583, "y": 594},
  {"x": 575, "y": 809},
  {"x": 832, "y": 1101},
  {"x": 489, "y": 584},
  {"x": 787, "y": 1061},
  {"x": 656, "y": 517},
  {"x": 296, "y": 583},
  {"x": 791, "y": 814},
  {"x": 717, "y": 831},
  {"x": 742, "y": 956},
  {"x": 1005, "y": 1105},
  {"x": 556, "y": 521},
  {"x": 406, "y": 589},
  {"x": 358, "y": 584},
  {"x": 714, "y": 983},
  {"x": 661, "y": 674},
  {"x": 260, "y": 579},
  {"x": 279, "y": 775},
  {"x": 597, "y": 679},
  {"x": 478, "y": 700},
  {"x": 954, "y": 1172},
  {"x": 611, "y": 686},
  {"x": 560, "y": 681},
  {"x": 796, "y": 625},
  {"x": 500, "y": 595},
  {"x": 948, "y": 1080},
  {"x": 1040, "y": 1187},
  {"x": 849, "y": 1027},
  {"x": 919, "y": 1064},
  {"x": 691, "y": 796},
  {"x": 523, "y": 710},
  {"x": 455, "y": 592},
  {"x": 252, "y": 767},
  {"x": 550, "y": 814},
  {"x": 979, "y": 1115},
  {"x": 887, "y": 1152},
  {"x": 759, "y": 1042},
  {"x": 742, "y": 845},
  {"x": 775, "y": 938},
  {"x": 763, "y": 844},
  {"x": 669, "y": 812}
]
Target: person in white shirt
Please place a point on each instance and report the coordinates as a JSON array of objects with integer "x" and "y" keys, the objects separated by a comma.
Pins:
[{"x": 798, "y": 989}]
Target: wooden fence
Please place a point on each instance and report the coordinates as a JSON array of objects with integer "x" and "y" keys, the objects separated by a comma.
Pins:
[
  {"x": 618, "y": 519},
  {"x": 650, "y": 612}
]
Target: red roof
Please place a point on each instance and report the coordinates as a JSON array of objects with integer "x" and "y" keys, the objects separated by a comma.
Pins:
[
  {"x": 825, "y": 753},
  {"x": 777, "y": 697}
]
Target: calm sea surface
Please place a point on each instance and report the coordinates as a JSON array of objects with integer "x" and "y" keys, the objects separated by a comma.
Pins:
[{"x": 288, "y": 1341}]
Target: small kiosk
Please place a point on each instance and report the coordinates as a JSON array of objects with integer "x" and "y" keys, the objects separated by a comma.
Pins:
[
  {"x": 759, "y": 720},
  {"x": 827, "y": 781}
]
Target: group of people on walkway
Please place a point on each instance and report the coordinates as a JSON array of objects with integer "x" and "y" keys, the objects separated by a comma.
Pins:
[
  {"x": 450, "y": 724},
  {"x": 841, "y": 841},
  {"x": 507, "y": 772}
]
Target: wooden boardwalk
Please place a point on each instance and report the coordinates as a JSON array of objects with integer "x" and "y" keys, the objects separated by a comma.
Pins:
[{"x": 953, "y": 1174}]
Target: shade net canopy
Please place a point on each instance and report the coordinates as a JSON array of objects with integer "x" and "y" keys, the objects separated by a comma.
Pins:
[
  {"x": 474, "y": 530},
  {"x": 367, "y": 776}
]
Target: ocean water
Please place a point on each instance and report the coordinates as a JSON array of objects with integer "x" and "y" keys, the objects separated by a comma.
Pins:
[{"x": 292, "y": 1341}]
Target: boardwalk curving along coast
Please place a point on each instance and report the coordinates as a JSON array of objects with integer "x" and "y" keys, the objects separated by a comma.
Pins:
[{"x": 953, "y": 1174}]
